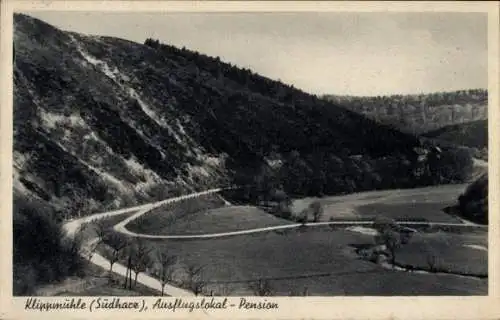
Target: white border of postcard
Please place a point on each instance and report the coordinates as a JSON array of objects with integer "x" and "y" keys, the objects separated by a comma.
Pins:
[{"x": 486, "y": 307}]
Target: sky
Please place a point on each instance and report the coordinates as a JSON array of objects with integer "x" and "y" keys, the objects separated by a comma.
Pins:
[{"x": 363, "y": 54}]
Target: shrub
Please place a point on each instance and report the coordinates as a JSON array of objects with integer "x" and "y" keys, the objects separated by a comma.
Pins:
[
  {"x": 316, "y": 210},
  {"x": 41, "y": 253},
  {"x": 261, "y": 288},
  {"x": 473, "y": 204}
]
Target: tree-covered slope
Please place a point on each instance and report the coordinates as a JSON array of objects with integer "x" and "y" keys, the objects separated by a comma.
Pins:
[{"x": 102, "y": 122}]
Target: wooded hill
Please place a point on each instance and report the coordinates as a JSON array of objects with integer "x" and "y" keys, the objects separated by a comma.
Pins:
[
  {"x": 102, "y": 122},
  {"x": 421, "y": 113}
]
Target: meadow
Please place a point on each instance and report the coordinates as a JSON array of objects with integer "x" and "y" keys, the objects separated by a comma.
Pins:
[
  {"x": 321, "y": 260},
  {"x": 208, "y": 214}
]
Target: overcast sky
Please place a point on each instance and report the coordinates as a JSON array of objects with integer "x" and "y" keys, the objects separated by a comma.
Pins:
[{"x": 335, "y": 53}]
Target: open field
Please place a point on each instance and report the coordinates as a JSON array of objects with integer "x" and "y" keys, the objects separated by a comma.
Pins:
[
  {"x": 451, "y": 252},
  {"x": 322, "y": 260},
  {"x": 406, "y": 211},
  {"x": 233, "y": 218},
  {"x": 204, "y": 215},
  {"x": 167, "y": 217},
  {"x": 385, "y": 283},
  {"x": 422, "y": 203}
]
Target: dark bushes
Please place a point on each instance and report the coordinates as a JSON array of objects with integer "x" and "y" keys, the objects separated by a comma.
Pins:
[
  {"x": 473, "y": 204},
  {"x": 40, "y": 255}
]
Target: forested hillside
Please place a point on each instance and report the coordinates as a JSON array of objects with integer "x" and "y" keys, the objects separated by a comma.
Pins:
[
  {"x": 102, "y": 122},
  {"x": 420, "y": 113}
]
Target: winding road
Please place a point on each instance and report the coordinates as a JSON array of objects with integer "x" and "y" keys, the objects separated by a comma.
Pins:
[{"x": 72, "y": 226}]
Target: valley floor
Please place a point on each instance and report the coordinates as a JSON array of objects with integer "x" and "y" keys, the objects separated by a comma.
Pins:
[{"x": 320, "y": 259}]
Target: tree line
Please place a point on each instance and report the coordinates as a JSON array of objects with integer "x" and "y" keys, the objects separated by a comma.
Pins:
[
  {"x": 420, "y": 113},
  {"x": 326, "y": 174},
  {"x": 320, "y": 147}
]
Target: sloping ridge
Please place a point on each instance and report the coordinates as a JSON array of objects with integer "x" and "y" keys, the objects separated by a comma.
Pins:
[{"x": 183, "y": 123}]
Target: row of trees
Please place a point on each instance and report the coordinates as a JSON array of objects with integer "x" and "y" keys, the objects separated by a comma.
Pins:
[
  {"x": 140, "y": 257},
  {"x": 430, "y": 99},
  {"x": 242, "y": 76},
  {"x": 137, "y": 256},
  {"x": 322, "y": 173},
  {"x": 334, "y": 151}
]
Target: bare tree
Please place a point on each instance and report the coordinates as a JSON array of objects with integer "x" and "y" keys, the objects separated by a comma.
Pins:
[
  {"x": 101, "y": 230},
  {"x": 431, "y": 258},
  {"x": 75, "y": 241},
  {"x": 382, "y": 223},
  {"x": 90, "y": 248},
  {"x": 116, "y": 242},
  {"x": 194, "y": 281},
  {"x": 298, "y": 293},
  {"x": 141, "y": 259},
  {"x": 392, "y": 241},
  {"x": 128, "y": 254},
  {"x": 164, "y": 268},
  {"x": 316, "y": 210},
  {"x": 261, "y": 288}
]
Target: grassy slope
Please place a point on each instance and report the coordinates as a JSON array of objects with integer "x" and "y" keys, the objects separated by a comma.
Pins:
[
  {"x": 225, "y": 219},
  {"x": 164, "y": 217}
]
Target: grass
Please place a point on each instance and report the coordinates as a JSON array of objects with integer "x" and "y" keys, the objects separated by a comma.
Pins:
[
  {"x": 205, "y": 215},
  {"x": 95, "y": 282},
  {"x": 224, "y": 219},
  {"x": 384, "y": 283},
  {"x": 408, "y": 211},
  {"x": 163, "y": 217},
  {"x": 421, "y": 203},
  {"x": 450, "y": 251},
  {"x": 323, "y": 260}
]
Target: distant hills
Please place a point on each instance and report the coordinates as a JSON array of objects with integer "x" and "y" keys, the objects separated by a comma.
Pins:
[
  {"x": 101, "y": 122},
  {"x": 418, "y": 114}
]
